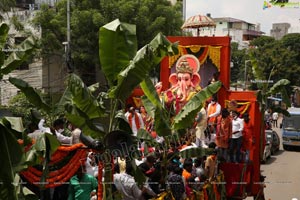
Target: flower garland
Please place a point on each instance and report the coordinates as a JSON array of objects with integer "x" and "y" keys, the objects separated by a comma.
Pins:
[{"x": 58, "y": 177}]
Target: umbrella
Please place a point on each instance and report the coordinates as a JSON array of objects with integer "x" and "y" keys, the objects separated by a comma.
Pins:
[{"x": 197, "y": 22}]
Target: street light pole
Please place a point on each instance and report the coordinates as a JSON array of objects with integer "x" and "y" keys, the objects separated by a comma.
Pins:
[
  {"x": 245, "y": 75},
  {"x": 183, "y": 10},
  {"x": 68, "y": 42}
]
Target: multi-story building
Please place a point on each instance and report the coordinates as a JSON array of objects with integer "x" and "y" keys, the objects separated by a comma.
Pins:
[
  {"x": 279, "y": 30},
  {"x": 240, "y": 31},
  {"x": 47, "y": 75}
]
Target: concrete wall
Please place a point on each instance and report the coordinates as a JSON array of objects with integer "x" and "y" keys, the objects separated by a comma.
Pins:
[{"x": 32, "y": 76}]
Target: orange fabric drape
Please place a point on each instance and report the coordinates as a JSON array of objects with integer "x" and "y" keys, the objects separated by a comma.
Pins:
[{"x": 201, "y": 52}]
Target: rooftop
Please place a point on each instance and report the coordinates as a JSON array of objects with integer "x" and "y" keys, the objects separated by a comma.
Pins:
[{"x": 230, "y": 19}]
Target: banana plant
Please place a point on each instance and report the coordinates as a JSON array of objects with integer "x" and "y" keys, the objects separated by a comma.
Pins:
[
  {"x": 12, "y": 57},
  {"x": 125, "y": 68},
  {"x": 12, "y": 145},
  {"x": 11, "y": 151},
  {"x": 169, "y": 127}
]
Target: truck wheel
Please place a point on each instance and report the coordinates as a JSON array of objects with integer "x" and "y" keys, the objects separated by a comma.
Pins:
[
  {"x": 260, "y": 197},
  {"x": 264, "y": 159}
]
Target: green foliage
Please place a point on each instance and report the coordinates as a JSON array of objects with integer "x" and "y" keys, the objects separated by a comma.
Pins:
[
  {"x": 21, "y": 107},
  {"x": 238, "y": 58},
  {"x": 30, "y": 93},
  {"x": 15, "y": 58},
  {"x": 187, "y": 114},
  {"x": 262, "y": 41},
  {"x": 11, "y": 152},
  {"x": 6, "y": 5},
  {"x": 276, "y": 59},
  {"x": 115, "y": 57},
  {"x": 150, "y": 18}
]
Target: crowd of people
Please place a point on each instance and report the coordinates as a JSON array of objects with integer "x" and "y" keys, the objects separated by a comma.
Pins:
[{"x": 225, "y": 131}]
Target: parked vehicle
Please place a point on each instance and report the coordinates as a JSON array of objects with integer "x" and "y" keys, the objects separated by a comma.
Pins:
[
  {"x": 268, "y": 146},
  {"x": 275, "y": 140},
  {"x": 273, "y": 137},
  {"x": 291, "y": 129}
]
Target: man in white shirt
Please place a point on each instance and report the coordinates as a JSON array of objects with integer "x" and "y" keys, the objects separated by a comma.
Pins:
[
  {"x": 275, "y": 118},
  {"x": 135, "y": 120},
  {"x": 35, "y": 133},
  {"x": 58, "y": 126},
  {"x": 236, "y": 138},
  {"x": 126, "y": 184}
]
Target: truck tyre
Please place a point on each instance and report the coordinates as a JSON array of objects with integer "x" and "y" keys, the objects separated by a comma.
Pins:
[{"x": 259, "y": 197}]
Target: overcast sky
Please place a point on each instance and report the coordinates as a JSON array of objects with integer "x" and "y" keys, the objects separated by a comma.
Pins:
[{"x": 248, "y": 10}]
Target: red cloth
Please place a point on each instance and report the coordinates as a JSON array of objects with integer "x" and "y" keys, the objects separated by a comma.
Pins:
[
  {"x": 233, "y": 172},
  {"x": 247, "y": 136}
]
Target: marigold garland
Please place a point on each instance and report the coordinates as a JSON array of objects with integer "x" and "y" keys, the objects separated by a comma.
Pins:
[
  {"x": 58, "y": 156},
  {"x": 70, "y": 148},
  {"x": 60, "y": 176}
]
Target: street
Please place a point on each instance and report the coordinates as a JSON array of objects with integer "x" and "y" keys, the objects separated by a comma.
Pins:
[{"x": 282, "y": 174}]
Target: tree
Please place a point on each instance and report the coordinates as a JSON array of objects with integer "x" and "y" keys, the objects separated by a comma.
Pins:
[
  {"x": 290, "y": 58},
  {"x": 150, "y": 18},
  {"x": 278, "y": 59},
  {"x": 238, "y": 57},
  {"x": 21, "y": 107}
]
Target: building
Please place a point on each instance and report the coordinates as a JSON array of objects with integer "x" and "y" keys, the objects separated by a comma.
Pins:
[
  {"x": 279, "y": 30},
  {"x": 240, "y": 31},
  {"x": 46, "y": 75}
]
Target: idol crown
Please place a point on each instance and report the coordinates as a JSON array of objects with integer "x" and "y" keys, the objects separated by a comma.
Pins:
[{"x": 184, "y": 67}]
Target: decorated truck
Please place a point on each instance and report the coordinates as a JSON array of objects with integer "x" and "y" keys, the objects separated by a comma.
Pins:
[{"x": 213, "y": 53}]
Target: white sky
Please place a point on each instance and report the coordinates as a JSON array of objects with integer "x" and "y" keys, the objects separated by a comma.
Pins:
[{"x": 248, "y": 10}]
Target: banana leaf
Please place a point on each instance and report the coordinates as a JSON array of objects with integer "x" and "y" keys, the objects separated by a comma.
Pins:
[
  {"x": 146, "y": 59},
  {"x": 151, "y": 94},
  {"x": 118, "y": 45},
  {"x": 11, "y": 155},
  {"x": 31, "y": 94},
  {"x": 83, "y": 98},
  {"x": 16, "y": 123},
  {"x": 143, "y": 134},
  {"x": 187, "y": 114},
  {"x": 23, "y": 51},
  {"x": 280, "y": 87},
  {"x": 155, "y": 108},
  {"x": 194, "y": 152},
  {"x": 121, "y": 123},
  {"x": 76, "y": 116},
  {"x": 4, "y": 28}
]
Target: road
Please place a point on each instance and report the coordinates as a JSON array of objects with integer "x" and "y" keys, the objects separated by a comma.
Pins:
[{"x": 282, "y": 174}]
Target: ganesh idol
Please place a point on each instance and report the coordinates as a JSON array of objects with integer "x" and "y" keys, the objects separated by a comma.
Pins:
[{"x": 184, "y": 82}]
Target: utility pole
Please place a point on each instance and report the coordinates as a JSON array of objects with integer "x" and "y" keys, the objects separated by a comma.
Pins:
[
  {"x": 183, "y": 10},
  {"x": 245, "y": 75},
  {"x": 68, "y": 42}
]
